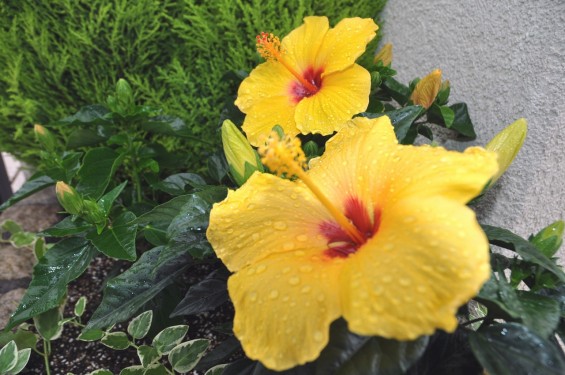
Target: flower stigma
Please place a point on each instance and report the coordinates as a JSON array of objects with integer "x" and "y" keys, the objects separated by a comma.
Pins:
[
  {"x": 269, "y": 47},
  {"x": 285, "y": 156}
]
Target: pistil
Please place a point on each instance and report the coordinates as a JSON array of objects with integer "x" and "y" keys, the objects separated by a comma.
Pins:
[{"x": 269, "y": 47}]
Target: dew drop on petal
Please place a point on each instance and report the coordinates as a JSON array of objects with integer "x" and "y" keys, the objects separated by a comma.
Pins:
[
  {"x": 286, "y": 270},
  {"x": 404, "y": 282},
  {"x": 321, "y": 297},
  {"x": 306, "y": 268},
  {"x": 280, "y": 225},
  {"x": 253, "y": 296},
  {"x": 255, "y": 236},
  {"x": 302, "y": 238},
  {"x": 306, "y": 289},
  {"x": 387, "y": 278},
  {"x": 288, "y": 246},
  {"x": 318, "y": 336},
  {"x": 295, "y": 280},
  {"x": 274, "y": 294},
  {"x": 261, "y": 268},
  {"x": 409, "y": 219}
]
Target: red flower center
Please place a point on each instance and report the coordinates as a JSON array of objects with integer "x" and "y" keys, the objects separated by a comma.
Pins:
[
  {"x": 313, "y": 76},
  {"x": 340, "y": 244}
]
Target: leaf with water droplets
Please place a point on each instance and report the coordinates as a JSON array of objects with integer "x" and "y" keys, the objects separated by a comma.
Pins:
[{"x": 511, "y": 348}]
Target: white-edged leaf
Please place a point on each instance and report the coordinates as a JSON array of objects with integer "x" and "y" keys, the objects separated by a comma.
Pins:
[
  {"x": 80, "y": 306},
  {"x": 139, "y": 326},
  {"x": 91, "y": 335},
  {"x": 101, "y": 372},
  {"x": 184, "y": 357},
  {"x": 147, "y": 355},
  {"x": 133, "y": 370},
  {"x": 8, "y": 357},
  {"x": 168, "y": 338},
  {"x": 116, "y": 340},
  {"x": 216, "y": 370},
  {"x": 23, "y": 358}
]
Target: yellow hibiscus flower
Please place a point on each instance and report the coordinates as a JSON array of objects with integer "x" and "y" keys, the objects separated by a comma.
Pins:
[
  {"x": 310, "y": 82},
  {"x": 374, "y": 232}
]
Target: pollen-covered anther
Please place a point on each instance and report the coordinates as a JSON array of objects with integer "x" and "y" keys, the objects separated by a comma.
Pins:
[
  {"x": 269, "y": 46},
  {"x": 282, "y": 155}
]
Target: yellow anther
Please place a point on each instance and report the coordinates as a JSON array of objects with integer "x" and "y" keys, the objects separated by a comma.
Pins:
[{"x": 285, "y": 156}]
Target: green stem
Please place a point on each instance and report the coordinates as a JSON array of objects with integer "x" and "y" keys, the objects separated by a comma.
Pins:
[{"x": 46, "y": 351}]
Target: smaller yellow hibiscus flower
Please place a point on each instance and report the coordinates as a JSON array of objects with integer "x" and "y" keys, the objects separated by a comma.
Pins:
[
  {"x": 310, "y": 82},
  {"x": 375, "y": 232}
]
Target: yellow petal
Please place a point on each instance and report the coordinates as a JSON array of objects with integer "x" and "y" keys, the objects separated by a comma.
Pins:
[
  {"x": 284, "y": 305},
  {"x": 426, "y": 90},
  {"x": 267, "y": 215},
  {"x": 344, "y": 43},
  {"x": 302, "y": 44},
  {"x": 266, "y": 99},
  {"x": 343, "y": 94},
  {"x": 428, "y": 258}
]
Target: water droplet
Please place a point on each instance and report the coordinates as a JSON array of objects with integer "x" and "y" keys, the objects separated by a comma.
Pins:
[
  {"x": 253, "y": 296},
  {"x": 321, "y": 297},
  {"x": 286, "y": 270},
  {"x": 299, "y": 253},
  {"x": 306, "y": 289},
  {"x": 387, "y": 279},
  {"x": 302, "y": 238},
  {"x": 274, "y": 294},
  {"x": 295, "y": 280},
  {"x": 409, "y": 219},
  {"x": 306, "y": 268},
  {"x": 318, "y": 336},
  {"x": 293, "y": 196},
  {"x": 280, "y": 225},
  {"x": 261, "y": 268},
  {"x": 405, "y": 282},
  {"x": 255, "y": 236},
  {"x": 230, "y": 230}
]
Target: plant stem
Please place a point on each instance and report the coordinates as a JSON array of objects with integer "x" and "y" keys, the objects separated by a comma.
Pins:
[{"x": 46, "y": 350}]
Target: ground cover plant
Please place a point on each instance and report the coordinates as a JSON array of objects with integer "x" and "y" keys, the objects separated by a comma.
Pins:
[{"x": 342, "y": 246}]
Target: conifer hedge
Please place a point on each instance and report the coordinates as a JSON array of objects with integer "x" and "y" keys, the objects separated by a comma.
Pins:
[{"x": 59, "y": 55}]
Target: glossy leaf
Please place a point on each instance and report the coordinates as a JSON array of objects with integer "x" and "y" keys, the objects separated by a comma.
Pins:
[
  {"x": 205, "y": 295},
  {"x": 98, "y": 167},
  {"x": 47, "y": 324},
  {"x": 168, "y": 125},
  {"x": 218, "y": 167},
  {"x": 23, "y": 358},
  {"x": 133, "y": 370},
  {"x": 185, "y": 356},
  {"x": 147, "y": 355},
  {"x": 116, "y": 340},
  {"x": 219, "y": 354},
  {"x": 397, "y": 90},
  {"x": 125, "y": 294},
  {"x": 462, "y": 122},
  {"x": 164, "y": 212},
  {"x": 541, "y": 313},
  {"x": 108, "y": 199},
  {"x": 139, "y": 326},
  {"x": 64, "y": 262},
  {"x": 91, "y": 335},
  {"x": 508, "y": 240},
  {"x": 168, "y": 338},
  {"x": 216, "y": 370},
  {"x": 67, "y": 227},
  {"x": 88, "y": 115},
  {"x": 549, "y": 239},
  {"x": 118, "y": 240},
  {"x": 177, "y": 184},
  {"x": 8, "y": 357},
  {"x": 36, "y": 183},
  {"x": 80, "y": 306},
  {"x": 511, "y": 348},
  {"x": 402, "y": 119}
]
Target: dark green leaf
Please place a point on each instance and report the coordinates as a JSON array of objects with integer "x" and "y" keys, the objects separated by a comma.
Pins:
[
  {"x": 98, "y": 167},
  {"x": 139, "y": 326},
  {"x": 67, "y": 227},
  {"x": 396, "y": 90},
  {"x": 177, "y": 184},
  {"x": 36, "y": 183},
  {"x": 508, "y": 240},
  {"x": 402, "y": 119},
  {"x": 84, "y": 138},
  {"x": 541, "y": 313},
  {"x": 216, "y": 370},
  {"x": 185, "y": 356},
  {"x": 205, "y": 295},
  {"x": 71, "y": 164},
  {"x": 168, "y": 338},
  {"x": 168, "y": 125},
  {"x": 116, "y": 340},
  {"x": 147, "y": 354},
  {"x": 88, "y": 115},
  {"x": 164, "y": 212},
  {"x": 118, "y": 240},
  {"x": 108, "y": 199},
  {"x": 64, "y": 262},
  {"x": 510, "y": 348},
  {"x": 24, "y": 339},
  {"x": 128, "y": 292},
  {"x": 47, "y": 323},
  {"x": 462, "y": 122},
  {"x": 133, "y": 370},
  {"x": 91, "y": 335},
  {"x": 218, "y": 167},
  {"x": 156, "y": 369},
  {"x": 441, "y": 115},
  {"x": 220, "y": 354}
]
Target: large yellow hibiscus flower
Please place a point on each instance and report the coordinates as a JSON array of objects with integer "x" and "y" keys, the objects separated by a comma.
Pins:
[
  {"x": 310, "y": 82},
  {"x": 374, "y": 232}
]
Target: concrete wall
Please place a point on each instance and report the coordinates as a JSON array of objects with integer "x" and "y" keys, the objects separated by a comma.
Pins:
[{"x": 506, "y": 60}]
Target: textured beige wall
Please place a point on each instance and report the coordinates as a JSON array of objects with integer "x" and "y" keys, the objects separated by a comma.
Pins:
[{"x": 506, "y": 60}]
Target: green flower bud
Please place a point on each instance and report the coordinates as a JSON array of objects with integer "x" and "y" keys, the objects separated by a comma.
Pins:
[
  {"x": 45, "y": 137},
  {"x": 241, "y": 157},
  {"x": 93, "y": 213},
  {"x": 123, "y": 102},
  {"x": 69, "y": 198},
  {"x": 506, "y": 144},
  {"x": 550, "y": 238}
]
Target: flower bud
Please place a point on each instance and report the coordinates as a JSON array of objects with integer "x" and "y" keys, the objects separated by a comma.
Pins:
[
  {"x": 93, "y": 213},
  {"x": 550, "y": 238},
  {"x": 384, "y": 55},
  {"x": 69, "y": 198},
  {"x": 506, "y": 144},
  {"x": 44, "y": 137},
  {"x": 241, "y": 157},
  {"x": 426, "y": 90}
]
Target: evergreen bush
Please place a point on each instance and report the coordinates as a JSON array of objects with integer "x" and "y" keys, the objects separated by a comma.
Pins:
[{"x": 57, "y": 56}]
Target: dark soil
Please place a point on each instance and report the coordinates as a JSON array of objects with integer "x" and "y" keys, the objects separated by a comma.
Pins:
[{"x": 70, "y": 355}]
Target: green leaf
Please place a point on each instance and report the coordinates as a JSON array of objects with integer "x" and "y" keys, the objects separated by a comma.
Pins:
[
  {"x": 147, "y": 355},
  {"x": 39, "y": 248},
  {"x": 98, "y": 167},
  {"x": 71, "y": 165},
  {"x": 87, "y": 115},
  {"x": 177, "y": 183},
  {"x": 116, "y": 340},
  {"x": 396, "y": 90},
  {"x": 508, "y": 240},
  {"x": 185, "y": 356},
  {"x": 11, "y": 226},
  {"x": 91, "y": 335},
  {"x": 351, "y": 354},
  {"x": 549, "y": 239},
  {"x": 47, "y": 323},
  {"x": 101, "y": 372},
  {"x": 220, "y": 354},
  {"x": 164, "y": 212},
  {"x": 125, "y": 294},
  {"x": 24, "y": 339},
  {"x": 108, "y": 199},
  {"x": 133, "y": 370},
  {"x": 67, "y": 227},
  {"x": 541, "y": 313},
  {"x": 462, "y": 122},
  {"x": 80, "y": 306},
  {"x": 218, "y": 167},
  {"x": 23, "y": 358},
  {"x": 205, "y": 295},
  {"x": 36, "y": 183},
  {"x": 139, "y": 326},
  {"x": 22, "y": 239},
  {"x": 216, "y": 370},
  {"x": 64, "y": 262},
  {"x": 84, "y": 138},
  {"x": 441, "y": 114},
  {"x": 156, "y": 369},
  {"x": 8, "y": 357},
  {"x": 118, "y": 240},
  {"x": 168, "y": 338},
  {"x": 510, "y": 348},
  {"x": 168, "y": 125},
  {"x": 402, "y": 119}
]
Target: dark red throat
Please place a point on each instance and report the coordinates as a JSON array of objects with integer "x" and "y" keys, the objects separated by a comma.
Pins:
[{"x": 314, "y": 76}]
